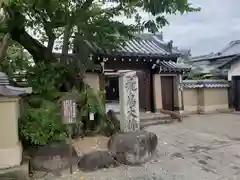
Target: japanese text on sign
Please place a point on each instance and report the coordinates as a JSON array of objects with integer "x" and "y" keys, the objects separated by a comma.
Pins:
[{"x": 69, "y": 111}]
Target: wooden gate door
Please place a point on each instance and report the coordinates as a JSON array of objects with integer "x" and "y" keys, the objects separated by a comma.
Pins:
[
  {"x": 144, "y": 90},
  {"x": 236, "y": 92},
  {"x": 167, "y": 92}
]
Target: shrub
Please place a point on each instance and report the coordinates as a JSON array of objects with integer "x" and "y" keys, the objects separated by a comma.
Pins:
[
  {"x": 41, "y": 122},
  {"x": 90, "y": 101},
  {"x": 39, "y": 126}
]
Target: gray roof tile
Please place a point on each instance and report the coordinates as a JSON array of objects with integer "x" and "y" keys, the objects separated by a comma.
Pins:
[
  {"x": 205, "y": 83},
  {"x": 7, "y": 90},
  {"x": 170, "y": 66},
  {"x": 144, "y": 44},
  {"x": 232, "y": 48}
]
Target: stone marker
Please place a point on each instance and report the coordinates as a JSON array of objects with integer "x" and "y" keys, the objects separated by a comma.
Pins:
[
  {"x": 129, "y": 102},
  {"x": 133, "y": 148}
]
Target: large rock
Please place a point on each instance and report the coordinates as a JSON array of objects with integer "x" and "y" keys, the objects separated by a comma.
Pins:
[
  {"x": 96, "y": 160},
  {"x": 133, "y": 148},
  {"x": 51, "y": 158}
]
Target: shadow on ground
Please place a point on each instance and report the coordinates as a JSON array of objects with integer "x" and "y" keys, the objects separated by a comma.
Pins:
[{"x": 17, "y": 175}]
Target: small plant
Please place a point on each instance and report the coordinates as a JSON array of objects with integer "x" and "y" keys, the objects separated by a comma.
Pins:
[
  {"x": 42, "y": 125},
  {"x": 90, "y": 101}
]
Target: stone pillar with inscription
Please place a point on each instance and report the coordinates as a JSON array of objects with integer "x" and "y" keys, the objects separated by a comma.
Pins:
[{"x": 129, "y": 102}]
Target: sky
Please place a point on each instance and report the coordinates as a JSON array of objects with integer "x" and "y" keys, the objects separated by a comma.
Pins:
[
  {"x": 204, "y": 32},
  {"x": 209, "y": 30}
]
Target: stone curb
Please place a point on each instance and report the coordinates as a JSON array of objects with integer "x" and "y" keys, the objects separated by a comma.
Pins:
[
  {"x": 154, "y": 122},
  {"x": 229, "y": 111},
  {"x": 155, "y": 117}
]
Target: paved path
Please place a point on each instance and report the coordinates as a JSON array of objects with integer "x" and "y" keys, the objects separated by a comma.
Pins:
[{"x": 205, "y": 147}]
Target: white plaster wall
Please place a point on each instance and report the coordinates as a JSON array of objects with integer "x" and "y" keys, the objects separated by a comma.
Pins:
[
  {"x": 92, "y": 79},
  {"x": 234, "y": 70}
]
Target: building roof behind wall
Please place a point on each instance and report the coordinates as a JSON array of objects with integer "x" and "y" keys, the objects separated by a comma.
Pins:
[
  {"x": 149, "y": 45},
  {"x": 217, "y": 61},
  {"x": 144, "y": 51},
  {"x": 231, "y": 50}
]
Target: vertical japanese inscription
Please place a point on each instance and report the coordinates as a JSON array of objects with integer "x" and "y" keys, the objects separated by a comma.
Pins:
[
  {"x": 69, "y": 111},
  {"x": 68, "y": 104},
  {"x": 132, "y": 114}
]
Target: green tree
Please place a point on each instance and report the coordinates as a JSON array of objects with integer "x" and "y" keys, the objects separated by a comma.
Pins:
[
  {"x": 78, "y": 21},
  {"x": 37, "y": 25}
]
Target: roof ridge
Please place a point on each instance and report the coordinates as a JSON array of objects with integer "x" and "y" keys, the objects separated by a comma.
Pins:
[
  {"x": 230, "y": 45},
  {"x": 235, "y": 41}
]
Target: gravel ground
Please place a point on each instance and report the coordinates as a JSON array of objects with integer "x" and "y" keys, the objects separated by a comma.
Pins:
[
  {"x": 205, "y": 147},
  {"x": 201, "y": 147}
]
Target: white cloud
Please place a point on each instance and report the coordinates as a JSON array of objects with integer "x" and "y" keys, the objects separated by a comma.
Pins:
[
  {"x": 206, "y": 31},
  {"x": 209, "y": 30}
]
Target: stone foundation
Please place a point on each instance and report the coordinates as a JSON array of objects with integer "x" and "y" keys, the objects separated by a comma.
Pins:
[
  {"x": 213, "y": 108},
  {"x": 11, "y": 157}
]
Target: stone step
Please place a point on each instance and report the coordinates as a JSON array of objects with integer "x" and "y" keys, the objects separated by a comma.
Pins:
[
  {"x": 150, "y": 116},
  {"x": 150, "y": 119}
]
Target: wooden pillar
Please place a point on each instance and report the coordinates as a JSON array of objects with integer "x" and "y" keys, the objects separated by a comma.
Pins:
[
  {"x": 144, "y": 90},
  {"x": 148, "y": 90},
  {"x": 178, "y": 93},
  {"x": 153, "y": 108},
  {"x": 157, "y": 92},
  {"x": 102, "y": 87}
]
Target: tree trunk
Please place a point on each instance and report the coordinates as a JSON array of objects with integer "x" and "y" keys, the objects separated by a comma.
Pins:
[
  {"x": 50, "y": 43},
  {"x": 66, "y": 36},
  {"x": 39, "y": 52},
  {"x": 51, "y": 36},
  {"x": 4, "y": 47}
]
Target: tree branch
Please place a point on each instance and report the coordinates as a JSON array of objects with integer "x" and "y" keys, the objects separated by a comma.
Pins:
[
  {"x": 51, "y": 36},
  {"x": 86, "y": 4},
  {"x": 18, "y": 33},
  {"x": 39, "y": 52},
  {"x": 66, "y": 36}
]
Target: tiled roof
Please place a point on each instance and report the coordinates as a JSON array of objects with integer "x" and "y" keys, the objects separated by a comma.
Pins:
[
  {"x": 144, "y": 48},
  {"x": 205, "y": 84},
  {"x": 162, "y": 44},
  {"x": 170, "y": 66},
  {"x": 212, "y": 65},
  {"x": 228, "y": 61},
  {"x": 202, "y": 57},
  {"x": 7, "y": 90},
  {"x": 3, "y": 79},
  {"x": 143, "y": 45},
  {"x": 218, "y": 60},
  {"x": 232, "y": 48}
]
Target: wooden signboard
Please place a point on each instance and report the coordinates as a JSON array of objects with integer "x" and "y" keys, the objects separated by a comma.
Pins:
[
  {"x": 69, "y": 115},
  {"x": 68, "y": 104}
]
